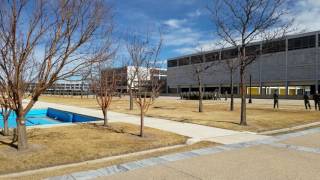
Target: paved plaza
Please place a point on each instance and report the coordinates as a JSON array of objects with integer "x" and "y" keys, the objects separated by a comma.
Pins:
[{"x": 291, "y": 156}]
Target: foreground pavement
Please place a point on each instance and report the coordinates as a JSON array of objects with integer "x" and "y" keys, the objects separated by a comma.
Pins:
[
  {"x": 291, "y": 156},
  {"x": 194, "y": 131}
]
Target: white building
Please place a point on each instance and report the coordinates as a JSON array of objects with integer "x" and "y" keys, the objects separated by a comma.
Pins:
[{"x": 128, "y": 74}]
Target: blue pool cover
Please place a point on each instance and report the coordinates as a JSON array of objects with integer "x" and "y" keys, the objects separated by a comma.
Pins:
[{"x": 48, "y": 116}]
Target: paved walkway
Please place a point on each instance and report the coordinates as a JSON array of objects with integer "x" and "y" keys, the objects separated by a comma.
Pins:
[
  {"x": 194, "y": 131},
  {"x": 283, "y": 157}
]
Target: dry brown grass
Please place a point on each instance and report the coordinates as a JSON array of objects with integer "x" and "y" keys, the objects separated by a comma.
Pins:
[
  {"x": 260, "y": 116},
  {"x": 63, "y": 145},
  {"x": 59, "y": 172}
]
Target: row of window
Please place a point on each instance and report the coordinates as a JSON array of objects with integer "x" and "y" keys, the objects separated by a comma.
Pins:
[
  {"x": 269, "y": 47},
  {"x": 302, "y": 43}
]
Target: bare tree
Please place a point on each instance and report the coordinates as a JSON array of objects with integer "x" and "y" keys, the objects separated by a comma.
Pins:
[
  {"x": 232, "y": 65},
  {"x": 200, "y": 69},
  {"x": 144, "y": 54},
  {"x": 239, "y": 23},
  {"x": 5, "y": 109},
  {"x": 104, "y": 85},
  {"x": 46, "y": 41},
  {"x": 133, "y": 61},
  {"x": 131, "y": 78}
]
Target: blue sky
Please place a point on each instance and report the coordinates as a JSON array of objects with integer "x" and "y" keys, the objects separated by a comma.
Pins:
[{"x": 186, "y": 24}]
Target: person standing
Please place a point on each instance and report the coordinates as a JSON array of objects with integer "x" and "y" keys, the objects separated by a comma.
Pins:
[
  {"x": 226, "y": 95},
  {"x": 306, "y": 101},
  {"x": 215, "y": 94},
  {"x": 316, "y": 99},
  {"x": 275, "y": 100}
]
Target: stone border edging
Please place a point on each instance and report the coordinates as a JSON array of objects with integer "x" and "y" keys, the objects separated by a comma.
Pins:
[
  {"x": 289, "y": 129},
  {"x": 29, "y": 172}
]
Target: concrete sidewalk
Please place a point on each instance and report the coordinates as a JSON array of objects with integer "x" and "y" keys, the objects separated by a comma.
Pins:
[
  {"x": 259, "y": 162},
  {"x": 194, "y": 131},
  {"x": 282, "y": 157}
]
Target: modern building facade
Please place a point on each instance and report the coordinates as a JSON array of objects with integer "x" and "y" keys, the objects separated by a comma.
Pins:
[
  {"x": 126, "y": 74},
  {"x": 290, "y": 65},
  {"x": 68, "y": 88}
]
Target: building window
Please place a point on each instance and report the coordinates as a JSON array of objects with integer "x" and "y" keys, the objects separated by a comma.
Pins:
[
  {"x": 212, "y": 56},
  {"x": 163, "y": 72},
  {"x": 302, "y": 42},
  {"x": 196, "y": 59},
  {"x": 253, "y": 50},
  {"x": 229, "y": 54},
  {"x": 184, "y": 61},
  {"x": 274, "y": 46},
  {"x": 172, "y": 63}
]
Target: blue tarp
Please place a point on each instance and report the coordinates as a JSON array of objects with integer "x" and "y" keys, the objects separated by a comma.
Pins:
[{"x": 48, "y": 116}]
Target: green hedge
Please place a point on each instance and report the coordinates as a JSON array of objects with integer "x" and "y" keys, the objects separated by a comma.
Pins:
[{"x": 195, "y": 95}]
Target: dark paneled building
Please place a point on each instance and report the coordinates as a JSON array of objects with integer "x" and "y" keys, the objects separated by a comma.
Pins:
[{"x": 289, "y": 65}]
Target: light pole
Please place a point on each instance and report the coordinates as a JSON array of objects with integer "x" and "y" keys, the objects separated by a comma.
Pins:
[{"x": 250, "y": 98}]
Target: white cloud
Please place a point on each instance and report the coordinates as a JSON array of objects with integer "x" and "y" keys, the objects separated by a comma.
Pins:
[
  {"x": 182, "y": 37},
  {"x": 207, "y": 45},
  {"x": 201, "y": 46},
  {"x": 196, "y": 13},
  {"x": 306, "y": 15},
  {"x": 174, "y": 23},
  {"x": 184, "y": 50},
  {"x": 185, "y": 40}
]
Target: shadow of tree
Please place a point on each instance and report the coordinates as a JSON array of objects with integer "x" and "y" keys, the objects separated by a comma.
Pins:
[
  {"x": 228, "y": 122},
  {"x": 10, "y": 144},
  {"x": 113, "y": 129},
  {"x": 163, "y": 107}
]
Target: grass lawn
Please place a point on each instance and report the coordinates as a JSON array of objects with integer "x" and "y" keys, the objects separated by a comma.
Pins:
[
  {"x": 69, "y": 144},
  {"x": 93, "y": 166},
  {"x": 260, "y": 116}
]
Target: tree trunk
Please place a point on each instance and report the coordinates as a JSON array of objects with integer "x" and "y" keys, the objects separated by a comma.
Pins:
[
  {"x": 22, "y": 133},
  {"x": 6, "y": 125},
  {"x": 200, "y": 98},
  {"x": 105, "y": 117},
  {"x": 131, "y": 100},
  {"x": 141, "y": 122},
  {"x": 243, "y": 118},
  {"x": 231, "y": 92}
]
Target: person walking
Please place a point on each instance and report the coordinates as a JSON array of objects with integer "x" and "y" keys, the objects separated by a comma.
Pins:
[
  {"x": 275, "y": 100},
  {"x": 306, "y": 101},
  {"x": 316, "y": 99}
]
